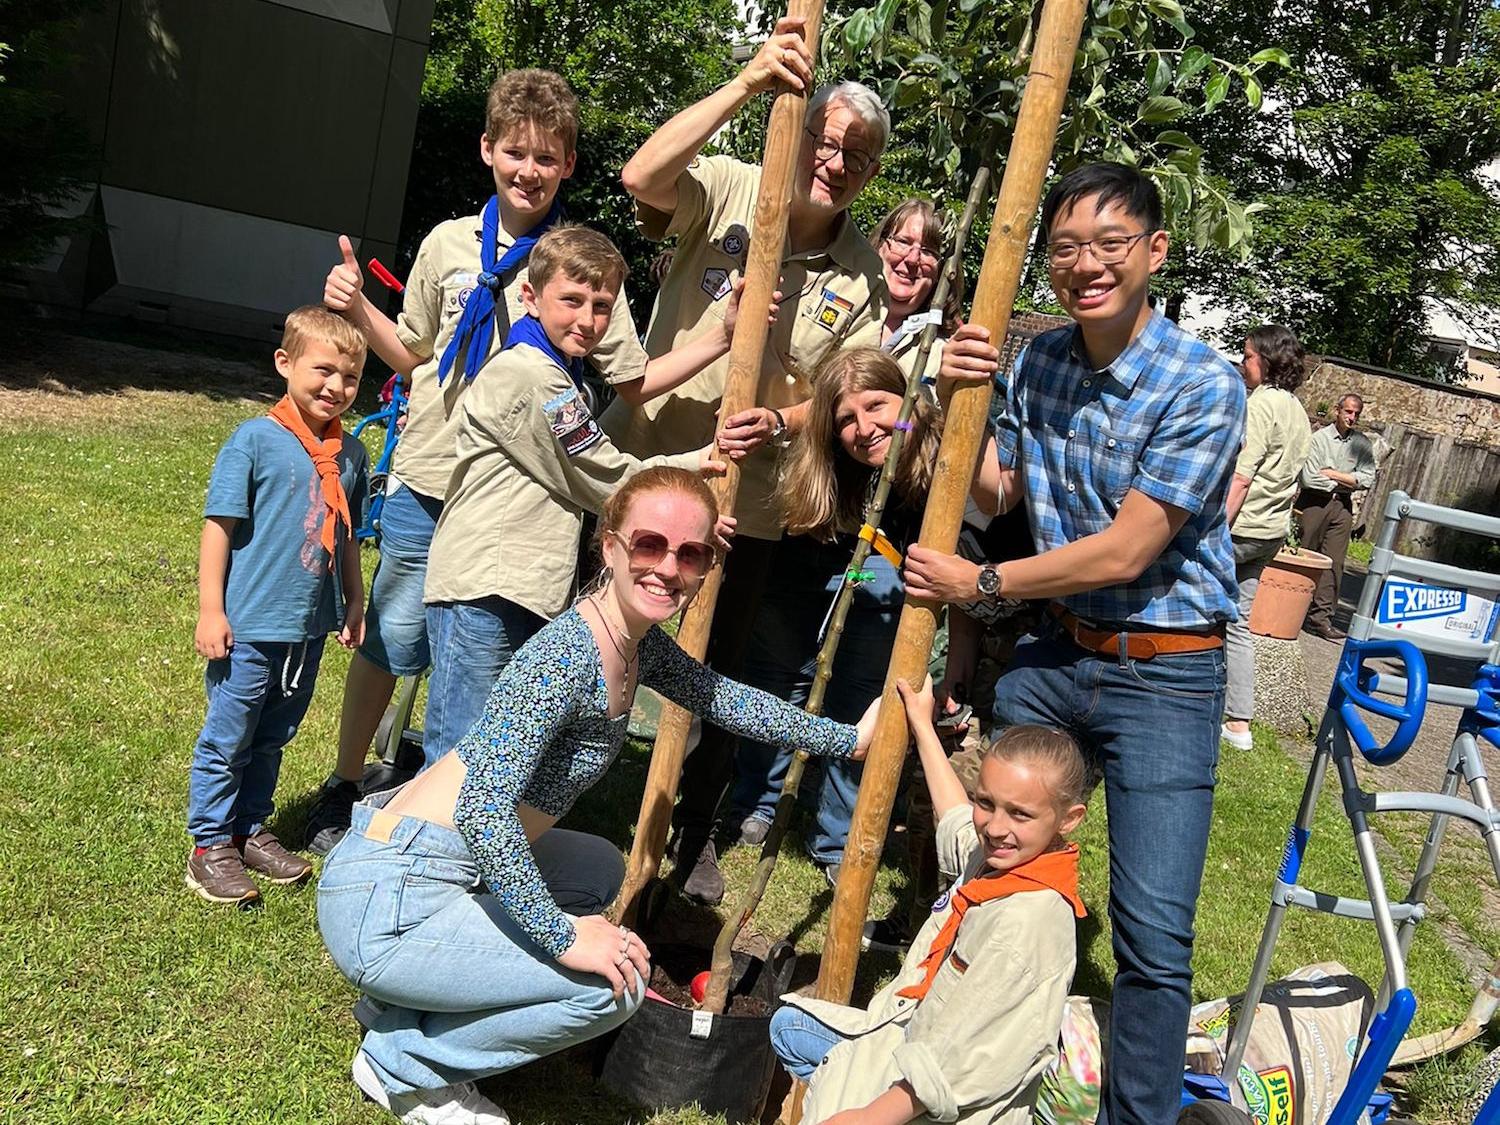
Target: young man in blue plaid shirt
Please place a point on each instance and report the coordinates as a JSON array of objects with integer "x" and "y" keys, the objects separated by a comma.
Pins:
[{"x": 1121, "y": 432}]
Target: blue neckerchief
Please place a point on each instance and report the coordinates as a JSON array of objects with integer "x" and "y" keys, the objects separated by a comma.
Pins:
[
  {"x": 528, "y": 330},
  {"x": 476, "y": 325}
]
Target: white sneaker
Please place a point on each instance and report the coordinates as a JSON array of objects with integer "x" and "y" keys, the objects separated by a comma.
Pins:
[
  {"x": 1240, "y": 740},
  {"x": 460, "y": 1104}
]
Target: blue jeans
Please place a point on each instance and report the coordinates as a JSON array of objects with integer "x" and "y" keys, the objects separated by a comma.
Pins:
[
  {"x": 781, "y": 658},
  {"x": 396, "y": 620},
  {"x": 1153, "y": 727},
  {"x": 801, "y": 1041},
  {"x": 257, "y": 697},
  {"x": 453, "y": 989},
  {"x": 472, "y": 642}
]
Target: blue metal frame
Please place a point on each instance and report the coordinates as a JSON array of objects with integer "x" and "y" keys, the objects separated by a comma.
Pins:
[{"x": 388, "y": 416}]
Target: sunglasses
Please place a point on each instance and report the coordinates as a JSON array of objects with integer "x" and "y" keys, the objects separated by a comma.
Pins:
[{"x": 648, "y": 548}]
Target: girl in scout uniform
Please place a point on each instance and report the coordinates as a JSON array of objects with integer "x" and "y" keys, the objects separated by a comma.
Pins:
[
  {"x": 970, "y": 1024},
  {"x": 826, "y": 478}
]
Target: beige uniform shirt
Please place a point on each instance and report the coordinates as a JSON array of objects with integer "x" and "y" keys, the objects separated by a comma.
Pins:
[
  {"x": 832, "y": 296},
  {"x": 445, "y": 272},
  {"x": 974, "y": 1049},
  {"x": 529, "y": 459},
  {"x": 1277, "y": 434},
  {"x": 1347, "y": 453}
]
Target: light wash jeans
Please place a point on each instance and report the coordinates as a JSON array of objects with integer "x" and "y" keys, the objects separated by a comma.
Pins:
[
  {"x": 472, "y": 642},
  {"x": 1153, "y": 727},
  {"x": 1250, "y": 558},
  {"x": 453, "y": 989},
  {"x": 396, "y": 620},
  {"x": 801, "y": 1041},
  {"x": 257, "y": 697}
]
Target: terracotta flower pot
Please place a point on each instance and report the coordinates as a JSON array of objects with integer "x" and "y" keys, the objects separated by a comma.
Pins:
[{"x": 1286, "y": 590}]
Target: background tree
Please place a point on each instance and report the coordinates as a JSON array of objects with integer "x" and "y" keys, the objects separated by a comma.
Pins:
[
  {"x": 1142, "y": 85},
  {"x": 1386, "y": 201}
]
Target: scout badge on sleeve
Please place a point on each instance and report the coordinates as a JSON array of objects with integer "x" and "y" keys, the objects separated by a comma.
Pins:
[
  {"x": 571, "y": 423},
  {"x": 734, "y": 242},
  {"x": 716, "y": 282},
  {"x": 833, "y": 310}
]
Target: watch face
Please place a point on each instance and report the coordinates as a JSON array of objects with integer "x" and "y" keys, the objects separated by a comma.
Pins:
[{"x": 989, "y": 580}]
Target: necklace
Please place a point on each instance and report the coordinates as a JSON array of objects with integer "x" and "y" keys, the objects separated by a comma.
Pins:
[{"x": 627, "y": 661}]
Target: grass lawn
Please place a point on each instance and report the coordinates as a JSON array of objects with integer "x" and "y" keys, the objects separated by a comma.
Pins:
[{"x": 126, "y": 998}]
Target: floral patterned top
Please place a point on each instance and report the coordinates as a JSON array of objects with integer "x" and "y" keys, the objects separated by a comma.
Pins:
[{"x": 546, "y": 736}]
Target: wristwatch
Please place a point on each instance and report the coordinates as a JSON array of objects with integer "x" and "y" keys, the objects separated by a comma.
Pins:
[
  {"x": 988, "y": 581},
  {"x": 778, "y": 433}
]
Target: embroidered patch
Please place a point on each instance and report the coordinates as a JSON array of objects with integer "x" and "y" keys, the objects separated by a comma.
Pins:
[
  {"x": 942, "y": 902},
  {"x": 832, "y": 310},
  {"x": 716, "y": 282},
  {"x": 735, "y": 239},
  {"x": 571, "y": 423},
  {"x": 459, "y": 289}
]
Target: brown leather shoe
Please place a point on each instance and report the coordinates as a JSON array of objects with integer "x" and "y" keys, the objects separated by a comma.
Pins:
[
  {"x": 218, "y": 875},
  {"x": 266, "y": 857}
]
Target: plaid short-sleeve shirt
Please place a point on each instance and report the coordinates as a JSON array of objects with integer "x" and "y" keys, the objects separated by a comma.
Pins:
[{"x": 1165, "y": 418}]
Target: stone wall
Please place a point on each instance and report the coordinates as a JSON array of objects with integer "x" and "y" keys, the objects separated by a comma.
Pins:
[{"x": 1417, "y": 404}]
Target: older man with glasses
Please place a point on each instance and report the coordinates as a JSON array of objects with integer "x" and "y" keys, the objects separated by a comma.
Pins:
[{"x": 833, "y": 294}]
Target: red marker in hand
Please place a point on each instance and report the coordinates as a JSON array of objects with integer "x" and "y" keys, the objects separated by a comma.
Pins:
[{"x": 385, "y": 276}]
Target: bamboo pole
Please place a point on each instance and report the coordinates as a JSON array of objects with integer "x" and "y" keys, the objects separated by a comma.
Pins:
[
  {"x": 964, "y": 427},
  {"x": 716, "y": 996},
  {"x": 741, "y": 385}
]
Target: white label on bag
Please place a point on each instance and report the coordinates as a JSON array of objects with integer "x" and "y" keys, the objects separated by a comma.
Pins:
[
  {"x": 1436, "y": 611},
  {"x": 703, "y": 1023}
]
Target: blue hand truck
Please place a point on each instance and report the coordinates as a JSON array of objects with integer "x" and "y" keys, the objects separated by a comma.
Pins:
[{"x": 1409, "y": 608}]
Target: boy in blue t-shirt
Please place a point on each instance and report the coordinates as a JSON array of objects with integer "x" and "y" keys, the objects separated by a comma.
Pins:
[{"x": 277, "y": 572}]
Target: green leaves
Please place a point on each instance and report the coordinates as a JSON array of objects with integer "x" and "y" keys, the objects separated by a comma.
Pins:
[{"x": 1161, "y": 108}]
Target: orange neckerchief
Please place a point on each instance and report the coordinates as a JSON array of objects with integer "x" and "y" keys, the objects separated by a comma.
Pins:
[
  {"x": 325, "y": 459},
  {"x": 1050, "y": 871}
]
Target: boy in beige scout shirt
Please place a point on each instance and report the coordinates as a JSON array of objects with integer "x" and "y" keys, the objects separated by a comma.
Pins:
[
  {"x": 832, "y": 280},
  {"x": 530, "y": 460},
  {"x": 440, "y": 341}
]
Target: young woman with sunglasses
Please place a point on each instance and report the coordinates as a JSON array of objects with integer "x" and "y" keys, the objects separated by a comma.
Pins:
[{"x": 470, "y": 922}]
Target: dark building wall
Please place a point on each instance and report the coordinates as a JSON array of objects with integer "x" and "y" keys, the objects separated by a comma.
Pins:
[{"x": 237, "y": 139}]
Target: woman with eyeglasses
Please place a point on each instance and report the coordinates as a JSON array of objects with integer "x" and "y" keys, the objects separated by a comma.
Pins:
[
  {"x": 909, "y": 241},
  {"x": 471, "y": 923}
]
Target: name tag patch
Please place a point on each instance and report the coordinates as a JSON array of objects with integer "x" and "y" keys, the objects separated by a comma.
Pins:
[
  {"x": 832, "y": 310},
  {"x": 716, "y": 282},
  {"x": 571, "y": 423}
]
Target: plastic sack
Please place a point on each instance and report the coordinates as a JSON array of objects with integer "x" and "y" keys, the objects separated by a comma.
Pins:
[{"x": 1308, "y": 1028}]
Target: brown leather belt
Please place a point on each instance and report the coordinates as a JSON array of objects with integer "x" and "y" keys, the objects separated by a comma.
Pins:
[{"x": 1138, "y": 645}]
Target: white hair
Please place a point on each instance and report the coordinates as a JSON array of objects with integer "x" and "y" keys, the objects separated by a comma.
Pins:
[{"x": 862, "y": 101}]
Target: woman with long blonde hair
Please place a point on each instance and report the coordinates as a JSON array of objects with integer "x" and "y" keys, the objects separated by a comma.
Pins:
[{"x": 827, "y": 475}]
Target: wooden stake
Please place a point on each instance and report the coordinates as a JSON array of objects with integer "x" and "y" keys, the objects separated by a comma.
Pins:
[
  {"x": 741, "y": 385},
  {"x": 716, "y": 996},
  {"x": 964, "y": 428}
]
